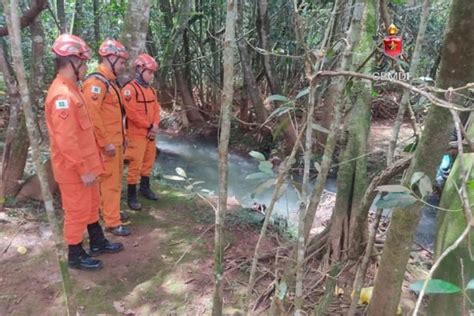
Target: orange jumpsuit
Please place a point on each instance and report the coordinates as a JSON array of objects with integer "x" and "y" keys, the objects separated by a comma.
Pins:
[
  {"x": 143, "y": 111},
  {"x": 74, "y": 152},
  {"x": 103, "y": 100}
]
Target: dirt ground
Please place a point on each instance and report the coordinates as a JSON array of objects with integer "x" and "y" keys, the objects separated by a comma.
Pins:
[
  {"x": 166, "y": 268},
  {"x": 167, "y": 265}
]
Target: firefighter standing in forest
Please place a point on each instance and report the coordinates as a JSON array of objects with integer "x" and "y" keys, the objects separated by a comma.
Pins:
[
  {"x": 75, "y": 155},
  {"x": 103, "y": 100},
  {"x": 143, "y": 117}
]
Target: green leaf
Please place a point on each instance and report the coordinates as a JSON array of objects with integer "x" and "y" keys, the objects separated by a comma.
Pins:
[
  {"x": 317, "y": 166},
  {"x": 392, "y": 188},
  {"x": 280, "y": 111},
  {"x": 181, "y": 172},
  {"x": 410, "y": 147},
  {"x": 374, "y": 93},
  {"x": 256, "y": 175},
  {"x": 470, "y": 285},
  {"x": 189, "y": 187},
  {"x": 320, "y": 128},
  {"x": 302, "y": 93},
  {"x": 175, "y": 178},
  {"x": 198, "y": 182},
  {"x": 265, "y": 185},
  {"x": 277, "y": 97},
  {"x": 416, "y": 177},
  {"x": 395, "y": 199},
  {"x": 266, "y": 167},
  {"x": 435, "y": 286},
  {"x": 257, "y": 155},
  {"x": 470, "y": 184},
  {"x": 425, "y": 186},
  {"x": 282, "y": 289}
]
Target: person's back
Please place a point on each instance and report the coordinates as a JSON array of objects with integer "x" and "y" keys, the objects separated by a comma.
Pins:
[{"x": 72, "y": 141}]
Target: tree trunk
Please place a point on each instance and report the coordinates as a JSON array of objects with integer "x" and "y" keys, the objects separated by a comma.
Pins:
[
  {"x": 77, "y": 26},
  {"x": 262, "y": 30},
  {"x": 61, "y": 14},
  {"x": 348, "y": 230},
  {"x": 13, "y": 23},
  {"x": 134, "y": 33},
  {"x": 451, "y": 225},
  {"x": 226, "y": 114},
  {"x": 456, "y": 70},
  {"x": 15, "y": 150},
  {"x": 96, "y": 10},
  {"x": 334, "y": 102},
  {"x": 415, "y": 59},
  {"x": 37, "y": 58},
  {"x": 250, "y": 84}
]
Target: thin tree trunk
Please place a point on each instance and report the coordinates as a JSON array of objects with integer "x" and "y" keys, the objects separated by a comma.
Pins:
[
  {"x": 334, "y": 101},
  {"x": 226, "y": 114},
  {"x": 77, "y": 26},
  {"x": 250, "y": 83},
  {"x": 96, "y": 10},
  {"x": 11, "y": 10},
  {"x": 15, "y": 150},
  {"x": 415, "y": 60},
  {"x": 262, "y": 30},
  {"x": 134, "y": 33},
  {"x": 37, "y": 58},
  {"x": 456, "y": 70},
  {"x": 61, "y": 13}
]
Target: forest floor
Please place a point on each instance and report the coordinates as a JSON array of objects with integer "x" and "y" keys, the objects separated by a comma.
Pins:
[{"x": 167, "y": 265}]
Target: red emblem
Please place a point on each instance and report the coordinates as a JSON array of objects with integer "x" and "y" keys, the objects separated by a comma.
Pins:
[
  {"x": 63, "y": 114},
  {"x": 393, "y": 44}
]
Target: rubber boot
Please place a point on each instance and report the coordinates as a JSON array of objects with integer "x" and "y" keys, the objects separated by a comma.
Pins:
[
  {"x": 79, "y": 259},
  {"x": 145, "y": 189},
  {"x": 98, "y": 243},
  {"x": 132, "y": 199}
]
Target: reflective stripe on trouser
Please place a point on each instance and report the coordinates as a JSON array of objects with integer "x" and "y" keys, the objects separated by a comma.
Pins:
[
  {"x": 141, "y": 154},
  {"x": 81, "y": 207},
  {"x": 111, "y": 188}
]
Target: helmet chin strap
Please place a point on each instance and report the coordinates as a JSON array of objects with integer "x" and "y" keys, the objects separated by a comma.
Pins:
[
  {"x": 112, "y": 64},
  {"x": 76, "y": 69}
]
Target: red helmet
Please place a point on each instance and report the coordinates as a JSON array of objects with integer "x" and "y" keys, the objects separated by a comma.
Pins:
[
  {"x": 113, "y": 47},
  {"x": 71, "y": 45},
  {"x": 147, "y": 62}
]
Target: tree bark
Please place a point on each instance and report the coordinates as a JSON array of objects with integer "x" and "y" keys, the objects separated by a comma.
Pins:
[
  {"x": 13, "y": 24},
  {"x": 37, "y": 57},
  {"x": 96, "y": 10},
  {"x": 61, "y": 13},
  {"x": 15, "y": 150},
  {"x": 262, "y": 30},
  {"x": 415, "y": 60},
  {"x": 226, "y": 114},
  {"x": 334, "y": 101},
  {"x": 134, "y": 33},
  {"x": 28, "y": 16},
  {"x": 250, "y": 84},
  {"x": 457, "y": 69}
]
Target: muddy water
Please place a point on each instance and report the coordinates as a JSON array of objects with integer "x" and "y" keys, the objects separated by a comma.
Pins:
[{"x": 200, "y": 160}]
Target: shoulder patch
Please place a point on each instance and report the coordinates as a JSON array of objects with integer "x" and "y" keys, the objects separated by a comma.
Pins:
[
  {"x": 96, "y": 89},
  {"x": 62, "y": 104}
]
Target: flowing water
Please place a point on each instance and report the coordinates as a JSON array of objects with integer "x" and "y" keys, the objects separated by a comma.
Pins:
[{"x": 199, "y": 159}]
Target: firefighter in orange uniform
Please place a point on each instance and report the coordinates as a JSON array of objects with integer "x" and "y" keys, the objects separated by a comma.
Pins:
[
  {"x": 75, "y": 155},
  {"x": 143, "y": 117},
  {"x": 103, "y": 100}
]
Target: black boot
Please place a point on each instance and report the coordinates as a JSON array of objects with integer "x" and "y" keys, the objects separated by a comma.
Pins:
[
  {"x": 98, "y": 243},
  {"x": 145, "y": 189},
  {"x": 79, "y": 259},
  {"x": 132, "y": 199}
]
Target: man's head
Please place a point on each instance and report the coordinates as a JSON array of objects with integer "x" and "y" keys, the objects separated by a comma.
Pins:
[
  {"x": 146, "y": 66},
  {"x": 114, "y": 55},
  {"x": 72, "y": 54}
]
